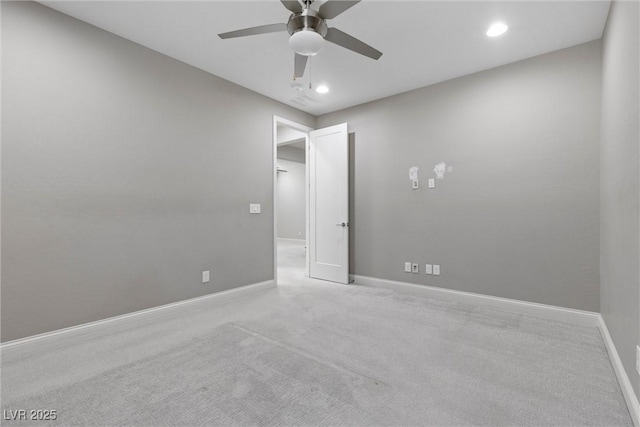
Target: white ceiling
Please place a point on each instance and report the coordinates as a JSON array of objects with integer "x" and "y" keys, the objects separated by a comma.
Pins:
[{"x": 423, "y": 42}]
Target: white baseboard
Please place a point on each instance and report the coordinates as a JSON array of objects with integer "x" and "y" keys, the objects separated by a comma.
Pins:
[
  {"x": 551, "y": 312},
  {"x": 218, "y": 297},
  {"x": 625, "y": 384}
]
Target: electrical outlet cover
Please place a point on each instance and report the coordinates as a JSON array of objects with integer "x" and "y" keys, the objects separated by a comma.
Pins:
[
  {"x": 436, "y": 270},
  {"x": 415, "y": 268},
  {"x": 254, "y": 208},
  {"x": 407, "y": 267},
  {"x": 428, "y": 269}
]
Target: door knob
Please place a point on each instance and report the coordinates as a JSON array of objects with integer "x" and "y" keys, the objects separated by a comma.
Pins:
[{"x": 343, "y": 224}]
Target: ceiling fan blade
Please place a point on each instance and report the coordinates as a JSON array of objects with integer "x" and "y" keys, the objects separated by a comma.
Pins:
[
  {"x": 293, "y": 5},
  {"x": 300, "y": 65},
  {"x": 330, "y": 9},
  {"x": 262, "y": 29},
  {"x": 349, "y": 42}
]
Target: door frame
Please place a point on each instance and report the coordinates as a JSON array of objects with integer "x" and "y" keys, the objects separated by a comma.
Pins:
[{"x": 306, "y": 129}]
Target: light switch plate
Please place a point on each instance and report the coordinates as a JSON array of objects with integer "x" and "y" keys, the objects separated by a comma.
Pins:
[
  {"x": 428, "y": 269},
  {"x": 205, "y": 277},
  {"x": 407, "y": 267},
  {"x": 254, "y": 208},
  {"x": 436, "y": 269},
  {"x": 432, "y": 183}
]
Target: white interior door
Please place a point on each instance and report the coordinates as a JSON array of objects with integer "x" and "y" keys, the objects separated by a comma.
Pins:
[{"x": 329, "y": 204}]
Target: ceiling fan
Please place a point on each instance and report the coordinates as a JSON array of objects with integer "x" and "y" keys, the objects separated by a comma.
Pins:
[{"x": 308, "y": 30}]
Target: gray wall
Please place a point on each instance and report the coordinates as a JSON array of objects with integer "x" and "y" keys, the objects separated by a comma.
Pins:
[
  {"x": 115, "y": 188},
  {"x": 291, "y": 200},
  {"x": 519, "y": 215},
  {"x": 619, "y": 196}
]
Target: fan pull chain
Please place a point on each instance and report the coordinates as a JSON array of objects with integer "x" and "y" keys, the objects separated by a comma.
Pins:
[
  {"x": 294, "y": 68},
  {"x": 309, "y": 72}
]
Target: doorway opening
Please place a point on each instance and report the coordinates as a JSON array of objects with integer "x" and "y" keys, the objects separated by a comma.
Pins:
[
  {"x": 291, "y": 198},
  {"x": 326, "y": 197}
]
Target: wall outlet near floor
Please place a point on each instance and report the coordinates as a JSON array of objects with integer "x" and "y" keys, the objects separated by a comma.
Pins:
[
  {"x": 428, "y": 269},
  {"x": 432, "y": 183},
  {"x": 638, "y": 359},
  {"x": 407, "y": 267},
  {"x": 415, "y": 268},
  {"x": 205, "y": 277},
  {"x": 436, "y": 269}
]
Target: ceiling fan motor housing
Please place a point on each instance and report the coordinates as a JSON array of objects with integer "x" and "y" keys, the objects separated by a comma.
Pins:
[{"x": 307, "y": 20}]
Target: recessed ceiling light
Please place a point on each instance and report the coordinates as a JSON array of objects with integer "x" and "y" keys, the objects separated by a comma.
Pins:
[
  {"x": 497, "y": 29},
  {"x": 322, "y": 89}
]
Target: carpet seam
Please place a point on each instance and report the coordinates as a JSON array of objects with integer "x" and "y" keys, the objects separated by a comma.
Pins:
[{"x": 307, "y": 354}]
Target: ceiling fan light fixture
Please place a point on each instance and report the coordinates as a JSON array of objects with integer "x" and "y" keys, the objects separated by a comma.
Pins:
[
  {"x": 306, "y": 42},
  {"x": 322, "y": 89}
]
